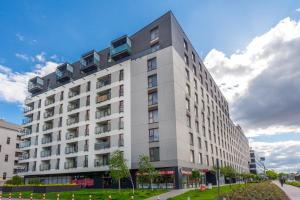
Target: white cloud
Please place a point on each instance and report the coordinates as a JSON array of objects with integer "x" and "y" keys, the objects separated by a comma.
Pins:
[
  {"x": 20, "y": 37},
  {"x": 13, "y": 85},
  {"x": 40, "y": 57},
  {"x": 22, "y": 56}
]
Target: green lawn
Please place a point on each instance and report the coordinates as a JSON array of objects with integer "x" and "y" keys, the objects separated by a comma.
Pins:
[
  {"x": 296, "y": 183},
  {"x": 97, "y": 194},
  {"x": 207, "y": 194}
]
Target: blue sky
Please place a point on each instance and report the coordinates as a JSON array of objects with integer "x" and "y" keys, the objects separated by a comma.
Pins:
[{"x": 35, "y": 33}]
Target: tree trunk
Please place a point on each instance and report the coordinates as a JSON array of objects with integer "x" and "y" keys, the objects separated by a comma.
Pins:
[
  {"x": 132, "y": 184},
  {"x": 151, "y": 184},
  {"x": 119, "y": 184}
]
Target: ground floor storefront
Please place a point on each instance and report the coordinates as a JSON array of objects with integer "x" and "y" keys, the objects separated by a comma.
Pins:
[{"x": 168, "y": 178}]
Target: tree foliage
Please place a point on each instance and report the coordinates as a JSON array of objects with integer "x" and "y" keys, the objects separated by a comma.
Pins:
[
  {"x": 15, "y": 180},
  {"x": 146, "y": 169},
  {"x": 271, "y": 174}
]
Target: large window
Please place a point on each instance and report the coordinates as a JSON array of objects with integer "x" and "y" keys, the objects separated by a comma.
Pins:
[
  {"x": 152, "y": 81},
  {"x": 154, "y": 154},
  {"x": 192, "y": 157},
  {"x": 154, "y": 34},
  {"x": 152, "y": 98},
  {"x": 153, "y": 135},
  {"x": 8, "y": 140},
  {"x": 191, "y": 139},
  {"x": 121, "y": 90},
  {"x": 153, "y": 116},
  {"x": 6, "y": 158},
  {"x": 200, "y": 158},
  {"x": 152, "y": 64},
  {"x": 188, "y": 121},
  {"x": 185, "y": 45}
]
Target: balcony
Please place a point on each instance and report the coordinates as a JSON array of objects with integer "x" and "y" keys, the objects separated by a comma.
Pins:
[
  {"x": 103, "y": 96},
  {"x": 74, "y": 92},
  {"x": 49, "y": 100},
  {"x": 102, "y": 160},
  {"x": 46, "y": 140},
  {"x": 27, "y": 120},
  {"x": 25, "y": 132},
  {"x": 104, "y": 81},
  {"x": 64, "y": 73},
  {"x": 71, "y": 149},
  {"x": 102, "y": 129},
  {"x": 102, "y": 145},
  {"x": 120, "y": 48},
  {"x": 47, "y": 126},
  {"x": 103, "y": 113},
  {"x": 48, "y": 114},
  {"x": 45, "y": 167},
  {"x": 45, "y": 153},
  {"x": 35, "y": 85},
  {"x": 71, "y": 135},
  {"x": 28, "y": 109},
  {"x": 25, "y": 144},
  {"x": 70, "y": 165},
  {"x": 90, "y": 61},
  {"x": 72, "y": 120},
  {"x": 24, "y": 156}
]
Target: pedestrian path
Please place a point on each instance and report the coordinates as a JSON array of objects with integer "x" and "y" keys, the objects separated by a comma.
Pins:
[
  {"x": 291, "y": 191},
  {"x": 170, "y": 194}
]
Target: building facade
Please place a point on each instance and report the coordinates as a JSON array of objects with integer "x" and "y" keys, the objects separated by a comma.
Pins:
[
  {"x": 149, "y": 94},
  {"x": 9, "y": 150},
  {"x": 256, "y": 164}
]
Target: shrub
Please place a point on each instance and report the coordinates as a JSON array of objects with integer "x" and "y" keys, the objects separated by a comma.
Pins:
[
  {"x": 15, "y": 180},
  {"x": 257, "y": 191},
  {"x": 297, "y": 184},
  {"x": 34, "y": 181}
]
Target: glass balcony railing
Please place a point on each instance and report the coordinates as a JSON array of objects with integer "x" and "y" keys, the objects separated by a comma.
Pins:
[
  {"x": 28, "y": 109},
  {"x": 46, "y": 153},
  {"x": 102, "y": 129},
  {"x": 26, "y": 132},
  {"x": 25, "y": 144},
  {"x": 120, "y": 49},
  {"x": 73, "y": 120},
  {"x": 102, "y": 113},
  {"x": 101, "y": 162},
  {"x": 69, "y": 150},
  {"x": 103, "y": 97},
  {"x": 27, "y": 120},
  {"x": 70, "y": 165},
  {"x": 73, "y": 106},
  {"x": 89, "y": 61},
  {"x": 47, "y": 127},
  {"x": 24, "y": 156},
  {"x": 35, "y": 85},
  {"x": 48, "y": 114},
  {"x": 70, "y": 135},
  {"x": 45, "y": 167},
  {"x": 102, "y": 145},
  {"x": 46, "y": 140}
]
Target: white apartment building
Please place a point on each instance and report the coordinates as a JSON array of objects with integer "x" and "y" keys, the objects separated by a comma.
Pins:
[
  {"x": 149, "y": 94},
  {"x": 9, "y": 150}
]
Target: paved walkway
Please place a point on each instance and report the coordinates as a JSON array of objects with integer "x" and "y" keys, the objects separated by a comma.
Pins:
[
  {"x": 170, "y": 194},
  {"x": 291, "y": 191}
]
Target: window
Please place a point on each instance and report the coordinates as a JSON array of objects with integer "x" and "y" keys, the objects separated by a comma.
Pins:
[
  {"x": 186, "y": 59},
  {"x": 0, "y": 148},
  {"x": 87, "y": 103},
  {"x": 200, "y": 158},
  {"x": 195, "y": 84},
  {"x": 152, "y": 64},
  {"x": 212, "y": 148},
  {"x": 152, "y": 98},
  {"x": 200, "y": 67},
  {"x": 194, "y": 70},
  {"x": 8, "y": 140},
  {"x": 185, "y": 45},
  {"x": 121, "y": 90},
  {"x": 192, "y": 158},
  {"x": 153, "y": 116},
  {"x": 197, "y": 126},
  {"x": 152, "y": 81},
  {"x": 154, "y": 34},
  {"x": 154, "y": 154},
  {"x": 6, "y": 158},
  {"x": 187, "y": 74},
  {"x": 121, "y": 123},
  {"x": 88, "y": 87},
  {"x": 121, "y": 140},
  {"x": 199, "y": 143},
  {"x": 121, "y": 75},
  {"x": 62, "y": 95},
  {"x": 153, "y": 135},
  {"x": 193, "y": 57},
  {"x": 155, "y": 47},
  {"x": 206, "y": 146},
  {"x": 188, "y": 121},
  {"x": 196, "y": 98},
  {"x": 188, "y": 89},
  {"x": 196, "y": 111},
  {"x": 191, "y": 139},
  {"x": 187, "y": 102},
  {"x": 121, "y": 106},
  {"x": 4, "y": 176},
  {"x": 207, "y": 160}
]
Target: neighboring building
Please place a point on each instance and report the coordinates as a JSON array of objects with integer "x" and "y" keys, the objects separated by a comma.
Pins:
[
  {"x": 9, "y": 150},
  {"x": 256, "y": 164},
  {"x": 149, "y": 93}
]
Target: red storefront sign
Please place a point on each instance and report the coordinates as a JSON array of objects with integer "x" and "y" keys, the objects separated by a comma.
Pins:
[
  {"x": 162, "y": 172},
  {"x": 84, "y": 181}
]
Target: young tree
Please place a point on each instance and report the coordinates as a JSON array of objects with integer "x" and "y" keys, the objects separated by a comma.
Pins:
[
  {"x": 118, "y": 168},
  {"x": 228, "y": 172},
  {"x": 271, "y": 174},
  {"x": 196, "y": 175},
  {"x": 146, "y": 169}
]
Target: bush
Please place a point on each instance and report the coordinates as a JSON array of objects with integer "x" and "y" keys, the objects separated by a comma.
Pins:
[
  {"x": 257, "y": 191},
  {"x": 34, "y": 181},
  {"x": 15, "y": 180},
  {"x": 297, "y": 184}
]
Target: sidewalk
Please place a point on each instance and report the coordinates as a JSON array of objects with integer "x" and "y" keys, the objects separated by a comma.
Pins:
[
  {"x": 170, "y": 194},
  {"x": 291, "y": 191}
]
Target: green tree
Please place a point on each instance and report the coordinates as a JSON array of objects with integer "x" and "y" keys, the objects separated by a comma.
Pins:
[
  {"x": 15, "y": 180},
  {"x": 118, "y": 168},
  {"x": 146, "y": 169},
  {"x": 196, "y": 175},
  {"x": 271, "y": 174},
  {"x": 228, "y": 172}
]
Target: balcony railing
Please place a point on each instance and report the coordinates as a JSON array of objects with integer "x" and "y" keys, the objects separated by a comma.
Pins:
[
  {"x": 49, "y": 101},
  {"x": 69, "y": 150},
  {"x": 45, "y": 167},
  {"x": 74, "y": 93},
  {"x": 25, "y": 144},
  {"x": 73, "y": 120},
  {"x": 35, "y": 85},
  {"x": 70, "y": 165},
  {"x": 102, "y": 145},
  {"x": 48, "y": 114},
  {"x": 28, "y": 109},
  {"x": 24, "y": 156},
  {"x": 70, "y": 136},
  {"x": 103, "y": 129},
  {"x": 102, "y": 113},
  {"x": 101, "y": 162},
  {"x": 64, "y": 72},
  {"x": 120, "y": 48},
  {"x": 46, "y": 140},
  {"x": 73, "y": 106},
  {"x": 27, "y": 120},
  {"x": 89, "y": 61},
  {"x": 103, "y": 97},
  {"x": 47, "y": 127},
  {"x": 26, "y": 132},
  {"x": 103, "y": 82},
  {"x": 46, "y": 153}
]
